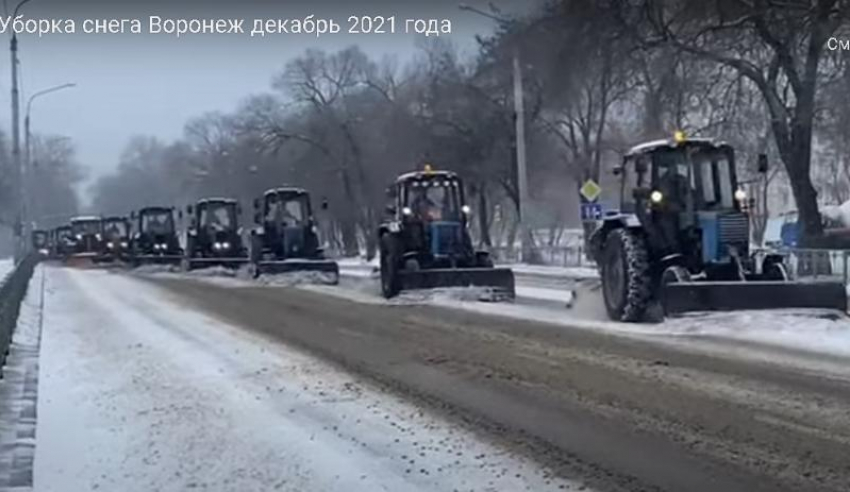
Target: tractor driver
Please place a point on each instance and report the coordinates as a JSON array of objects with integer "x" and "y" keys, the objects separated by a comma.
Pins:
[
  {"x": 674, "y": 186},
  {"x": 423, "y": 206}
]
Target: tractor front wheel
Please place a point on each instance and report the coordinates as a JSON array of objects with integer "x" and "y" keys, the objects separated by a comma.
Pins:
[
  {"x": 626, "y": 279},
  {"x": 390, "y": 281}
]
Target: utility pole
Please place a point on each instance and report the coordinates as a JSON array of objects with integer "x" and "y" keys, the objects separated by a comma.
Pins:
[
  {"x": 519, "y": 128},
  {"x": 20, "y": 244},
  {"x": 16, "y": 152},
  {"x": 521, "y": 171}
]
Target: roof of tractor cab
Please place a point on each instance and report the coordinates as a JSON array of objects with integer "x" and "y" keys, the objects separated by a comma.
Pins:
[
  {"x": 422, "y": 175},
  {"x": 286, "y": 189},
  {"x": 671, "y": 143},
  {"x": 115, "y": 218},
  {"x": 156, "y": 208},
  {"x": 204, "y": 201},
  {"x": 86, "y": 218}
]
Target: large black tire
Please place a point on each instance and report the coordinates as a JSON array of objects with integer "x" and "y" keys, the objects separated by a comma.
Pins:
[
  {"x": 626, "y": 280},
  {"x": 390, "y": 280}
]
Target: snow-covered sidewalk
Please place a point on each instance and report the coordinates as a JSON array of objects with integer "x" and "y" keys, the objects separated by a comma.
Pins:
[{"x": 138, "y": 392}]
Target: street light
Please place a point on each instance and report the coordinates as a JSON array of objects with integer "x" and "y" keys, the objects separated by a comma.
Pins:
[
  {"x": 27, "y": 168},
  {"x": 16, "y": 134},
  {"x": 519, "y": 121}
]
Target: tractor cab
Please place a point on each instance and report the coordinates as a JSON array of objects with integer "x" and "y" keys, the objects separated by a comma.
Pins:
[
  {"x": 430, "y": 205},
  {"x": 685, "y": 194},
  {"x": 285, "y": 207},
  {"x": 116, "y": 234},
  {"x": 155, "y": 236},
  {"x": 214, "y": 237},
  {"x": 62, "y": 240},
  {"x": 87, "y": 234},
  {"x": 40, "y": 242}
]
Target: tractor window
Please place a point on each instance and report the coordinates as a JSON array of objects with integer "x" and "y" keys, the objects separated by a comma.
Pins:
[
  {"x": 115, "y": 229},
  {"x": 292, "y": 211},
  {"x": 157, "y": 222},
  {"x": 715, "y": 177},
  {"x": 219, "y": 216},
  {"x": 435, "y": 200},
  {"x": 88, "y": 227}
]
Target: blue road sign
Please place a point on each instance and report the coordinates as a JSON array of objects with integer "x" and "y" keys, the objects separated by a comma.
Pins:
[{"x": 591, "y": 211}]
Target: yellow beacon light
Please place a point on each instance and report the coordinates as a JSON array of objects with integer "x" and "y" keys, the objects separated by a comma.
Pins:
[
  {"x": 428, "y": 169},
  {"x": 679, "y": 136}
]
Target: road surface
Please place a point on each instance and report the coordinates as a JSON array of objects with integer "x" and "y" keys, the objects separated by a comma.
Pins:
[{"x": 165, "y": 383}]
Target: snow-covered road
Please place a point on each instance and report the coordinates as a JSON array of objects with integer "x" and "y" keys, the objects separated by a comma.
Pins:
[{"x": 138, "y": 393}]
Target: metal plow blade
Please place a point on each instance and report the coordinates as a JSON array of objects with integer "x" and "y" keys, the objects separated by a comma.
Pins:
[
  {"x": 329, "y": 268},
  {"x": 229, "y": 263},
  {"x": 730, "y": 296},
  {"x": 501, "y": 280},
  {"x": 157, "y": 260}
]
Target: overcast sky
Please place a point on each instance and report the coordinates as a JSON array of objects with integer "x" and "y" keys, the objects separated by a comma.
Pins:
[{"x": 152, "y": 84}]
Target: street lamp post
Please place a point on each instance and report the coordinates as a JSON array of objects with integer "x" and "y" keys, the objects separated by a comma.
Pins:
[
  {"x": 519, "y": 128},
  {"x": 16, "y": 139},
  {"x": 27, "y": 167}
]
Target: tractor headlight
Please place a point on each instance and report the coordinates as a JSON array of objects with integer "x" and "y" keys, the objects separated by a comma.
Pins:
[
  {"x": 110, "y": 245},
  {"x": 656, "y": 196},
  {"x": 79, "y": 237},
  {"x": 163, "y": 246},
  {"x": 466, "y": 209},
  {"x": 740, "y": 195},
  {"x": 406, "y": 211},
  {"x": 156, "y": 247},
  {"x": 124, "y": 244},
  {"x": 225, "y": 245}
]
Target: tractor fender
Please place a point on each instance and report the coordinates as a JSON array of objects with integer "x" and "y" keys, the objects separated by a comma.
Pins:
[{"x": 609, "y": 223}]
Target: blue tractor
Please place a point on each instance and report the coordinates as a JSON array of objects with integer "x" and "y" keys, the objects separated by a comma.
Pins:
[
  {"x": 425, "y": 243},
  {"x": 681, "y": 238}
]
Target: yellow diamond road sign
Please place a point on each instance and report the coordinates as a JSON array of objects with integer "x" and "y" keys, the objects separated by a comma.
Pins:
[{"x": 590, "y": 190}]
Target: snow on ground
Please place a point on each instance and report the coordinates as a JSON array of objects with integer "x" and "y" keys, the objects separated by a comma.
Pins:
[
  {"x": 574, "y": 273},
  {"x": 136, "y": 392},
  {"x": 6, "y": 267}
]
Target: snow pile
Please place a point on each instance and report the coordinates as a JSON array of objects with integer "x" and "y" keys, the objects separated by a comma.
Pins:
[
  {"x": 290, "y": 279},
  {"x": 448, "y": 294},
  {"x": 574, "y": 273},
  {"x": 156, "y": 269}
]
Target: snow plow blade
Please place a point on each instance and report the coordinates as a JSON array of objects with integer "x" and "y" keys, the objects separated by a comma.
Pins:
[
  {"x": 501, "y": 280},
  {"x": 328, "y": 267},
  {"x": 82, "y": 260},
  {"x": 755, "y": 295},
  {"x": 234, "y": 263},
  {"x": 157, "y": 260}
]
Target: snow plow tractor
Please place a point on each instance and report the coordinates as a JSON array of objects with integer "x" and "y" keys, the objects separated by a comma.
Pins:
[
  {"x": 425, "y": 243},
  {"x": 116, "y": 243},
  {"x": 214, "y": 237},
  {"x": 41, "y": 243},
  {"x": 86, "y": 241},
  {"x": 286, "y": 239},
  {"x": 62, "y": 242},
  {"x": 155, "y": 240},
  {"x": 680, "y": 239}
]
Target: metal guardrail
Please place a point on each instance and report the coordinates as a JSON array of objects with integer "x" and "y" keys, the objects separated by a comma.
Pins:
[
  {"x": 816, "y": 264},
  {"x": 12, "y": 293}
]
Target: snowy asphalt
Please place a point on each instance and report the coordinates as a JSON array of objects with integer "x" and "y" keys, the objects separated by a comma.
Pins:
[{"x": 169, "y": 383}]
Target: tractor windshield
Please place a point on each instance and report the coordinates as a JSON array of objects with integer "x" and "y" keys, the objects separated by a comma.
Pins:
[
  {"x": 39, "y": 239},
  {"x": 115, "y": 228},
  {"x": 219, "y": 216},
  {"x": 63, "y": 233},
  {"x": 160, "y": 222},
  {"x": 289, "y": 210},
  {"x": 705, "y": 174},
  {"x": 86, "y": 227},
  {"x": 434, "y": 200}
]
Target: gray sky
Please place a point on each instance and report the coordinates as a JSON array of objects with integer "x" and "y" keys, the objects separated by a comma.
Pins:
[{"x": 130, "y": 84}]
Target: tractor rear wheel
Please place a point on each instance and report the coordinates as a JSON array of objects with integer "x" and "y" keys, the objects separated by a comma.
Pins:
[
  {"x": 626, "y": 279},
  {"x": 390, "y": 281}
]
